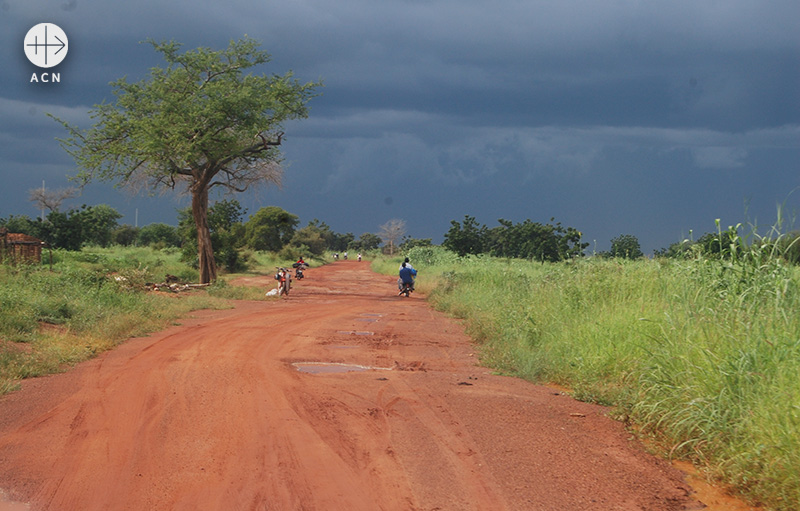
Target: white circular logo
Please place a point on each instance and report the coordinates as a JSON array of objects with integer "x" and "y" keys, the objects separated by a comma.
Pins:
[{"x": 46, "y": 45}]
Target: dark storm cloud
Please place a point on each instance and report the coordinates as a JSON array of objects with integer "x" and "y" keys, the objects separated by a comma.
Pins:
[{"x": 618, "y": 116}]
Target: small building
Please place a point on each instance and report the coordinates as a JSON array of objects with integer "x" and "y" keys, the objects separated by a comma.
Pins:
[{"x": 19, "y": 248}]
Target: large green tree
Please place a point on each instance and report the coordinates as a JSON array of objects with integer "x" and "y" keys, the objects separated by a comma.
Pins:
[
  {"x": 156, "y": 233},
  {"x": 99, "y": 223},
  {"x": 202, "y": 121},
  {"x": 270, "y": 229},
  {"x": 309, "y": 239},
  {"x": 469, "y": 237},
  {"x": 535, "y": 241},
  {"x": 626, "y": 246},
  {"x": 367, "y": 241}
]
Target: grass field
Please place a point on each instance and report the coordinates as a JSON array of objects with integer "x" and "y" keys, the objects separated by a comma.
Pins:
[{"x": 701, "y": 357}]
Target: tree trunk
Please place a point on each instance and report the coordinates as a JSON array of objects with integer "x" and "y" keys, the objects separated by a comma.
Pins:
[{"x": 205, "y": 253}]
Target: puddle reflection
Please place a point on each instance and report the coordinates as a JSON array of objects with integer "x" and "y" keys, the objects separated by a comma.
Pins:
[{"x": 332, "y": 367}]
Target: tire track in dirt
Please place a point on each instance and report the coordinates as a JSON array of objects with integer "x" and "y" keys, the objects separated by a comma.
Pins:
[{"x": 215, "y": 415}]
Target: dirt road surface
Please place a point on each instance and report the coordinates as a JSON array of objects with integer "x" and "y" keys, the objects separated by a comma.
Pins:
[{"x": 342, "y": 396}]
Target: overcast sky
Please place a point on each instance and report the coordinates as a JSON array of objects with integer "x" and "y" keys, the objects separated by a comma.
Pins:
[{"x": 650, "y": 118}]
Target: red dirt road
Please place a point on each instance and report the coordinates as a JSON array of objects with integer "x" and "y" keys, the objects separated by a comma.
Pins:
[{"x": 214, "y": 415}]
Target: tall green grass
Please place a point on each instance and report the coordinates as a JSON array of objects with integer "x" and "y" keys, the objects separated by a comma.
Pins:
[
  {"x": 54, "y": 316},
  {"x": 700, "y": 355}
]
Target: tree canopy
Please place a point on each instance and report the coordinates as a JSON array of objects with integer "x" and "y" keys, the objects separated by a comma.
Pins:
[
  {"x": 201, "y": 122},
  {"x": 525, "y": 240},
  {"x": 626, "y": 246},
  {"x": 465, "y": 238},
  {"x": 270, "y": 228},
  {"x": 367, "y": 241}
]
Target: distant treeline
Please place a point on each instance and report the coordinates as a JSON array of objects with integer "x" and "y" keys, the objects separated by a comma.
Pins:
[
  {"x": 525, "y": 240},
  {"x": 553, "y": 242},
  {"x": 273, "y": 229},
  {"x": 269, "y": 229}
]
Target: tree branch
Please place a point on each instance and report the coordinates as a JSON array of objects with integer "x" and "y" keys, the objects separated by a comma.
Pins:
[{"x": 269, "y": 142}]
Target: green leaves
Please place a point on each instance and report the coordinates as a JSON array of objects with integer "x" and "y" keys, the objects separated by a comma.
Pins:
[
  {"x": 525, "y": 240},
  {"x": 199, "y": 115},
  {"x": 626, "y": 246},
  {"x": 201, "y": 121}
]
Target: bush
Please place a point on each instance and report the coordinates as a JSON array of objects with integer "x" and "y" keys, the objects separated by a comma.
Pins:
[{"x": 626, "y": 246}]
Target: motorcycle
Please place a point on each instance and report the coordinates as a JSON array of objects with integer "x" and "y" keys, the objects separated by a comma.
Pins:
[
  {"x": 405, "y": 288},
  {"x": 405, "y": 283},
  {"x": 284, "y": 278},
  {"x": 298, "y": 270}
]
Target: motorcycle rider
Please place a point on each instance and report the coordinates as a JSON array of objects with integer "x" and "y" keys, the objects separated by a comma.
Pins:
[
  {"x": 299, "y": 266},
  {"x": 407, "y": 274},
  {"x": 406, "y": 262}
]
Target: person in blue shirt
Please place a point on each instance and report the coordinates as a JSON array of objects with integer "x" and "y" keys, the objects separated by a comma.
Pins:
[
  {"x": 407, "y": 274},
  {"x": 408, "y": 264}
]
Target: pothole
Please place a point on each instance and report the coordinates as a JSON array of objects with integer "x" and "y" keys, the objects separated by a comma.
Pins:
[
  {"x": 333, "y": 367},
  {"x": 355, "y": 332}
]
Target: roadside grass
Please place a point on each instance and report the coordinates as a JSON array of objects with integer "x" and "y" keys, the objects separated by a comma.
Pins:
[
  {"x": 701, "y": 357},
  {"x": 154, "y": 263},
  {"x": 52, "y": 319},
  {"x": 78, "y": 304}
]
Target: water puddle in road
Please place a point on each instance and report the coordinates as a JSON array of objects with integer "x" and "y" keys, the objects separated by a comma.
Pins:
[
  {"x": 369, "y": 317},
  {"x": 333, "y": 367},
  {"x": 355, "y": 332}
]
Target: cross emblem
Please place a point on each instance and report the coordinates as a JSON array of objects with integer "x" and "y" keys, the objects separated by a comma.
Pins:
[{"x": 46, "y": 45}]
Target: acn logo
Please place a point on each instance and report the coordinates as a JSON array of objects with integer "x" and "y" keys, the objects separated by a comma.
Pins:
[{"x": 46, "y": 45}]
